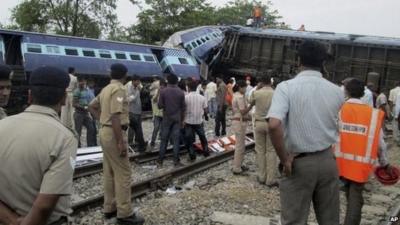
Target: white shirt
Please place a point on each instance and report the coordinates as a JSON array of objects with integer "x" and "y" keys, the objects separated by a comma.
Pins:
[
  {"x": 249, "y": 22},
  {"x": 248, "y": 90},
  {"x": 368, "y": 97},
  {"x": 211, "y": 90},
  {"x": 397, "y": 105},
  {"x": 73, "y": 83},
  {"x": 195, "y": 105},
  {"x": 393, "y": 94}
]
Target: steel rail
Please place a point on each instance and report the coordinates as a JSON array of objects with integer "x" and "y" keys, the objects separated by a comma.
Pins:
[
  {"x": 97, "y": 167},
  {"x": 160, "y": 181}
]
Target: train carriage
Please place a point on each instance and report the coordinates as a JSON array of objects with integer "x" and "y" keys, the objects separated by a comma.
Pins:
[{"x": 249, "y": 51}]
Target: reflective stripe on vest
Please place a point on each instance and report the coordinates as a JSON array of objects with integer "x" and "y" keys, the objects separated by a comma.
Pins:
[{"x": 356, "y": 158}]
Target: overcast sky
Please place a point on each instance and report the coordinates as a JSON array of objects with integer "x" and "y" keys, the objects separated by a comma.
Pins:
[{"x": 370, "y": 17}]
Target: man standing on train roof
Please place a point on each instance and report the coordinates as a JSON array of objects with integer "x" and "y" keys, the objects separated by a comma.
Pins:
[
  {"x": 304, "y": 114},
  {"x": 257, "y": 14},
  {"x": 5, "y": 88},
  {"x": 111, "y": 108},
  {"x": 36, "y": 168},
  {"x": 67, "y": 110},
  {"x": 135, "y": 114},
  {"x": 360, "y": 145}
]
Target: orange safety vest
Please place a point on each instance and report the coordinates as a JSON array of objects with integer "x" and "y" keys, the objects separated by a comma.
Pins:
[
  {"x": 357, "y": 150},
  {"x": 257, "y": 12}
]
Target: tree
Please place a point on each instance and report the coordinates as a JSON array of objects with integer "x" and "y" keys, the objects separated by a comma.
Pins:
[
  {"x": 237, "y": 12},
  {"x": 165, "y": 17},
  {"x": 86, "y": 18}
]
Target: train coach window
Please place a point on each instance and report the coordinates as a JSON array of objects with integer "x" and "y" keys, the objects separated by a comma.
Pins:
[
  {"x": 70, "y": 51},
  {"x": 120, "y": 55},
  {"x": 199, "y": 42},
  {"x": 148, "y": 58},
  {"x": 194, "y": 44},
  {"x": 189, "y": 47},
  {"x": 207, "y": 38},
  {"x": 183, "y": 61},
  {"x": 204, "y": 40},
  {"x": 88, "y": 53},
  {"x": 135, "y": 57},
  {"x": 34, "y": 48},
  {"x": 53, "y": 49},
  {"x": 105, "y": 54},
  {"x": 215, "y": 35}
]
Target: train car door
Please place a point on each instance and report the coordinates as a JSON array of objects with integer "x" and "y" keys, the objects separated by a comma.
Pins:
[
  {"x": 12, "y": 48},
  {"x": 1, "y": 50}
]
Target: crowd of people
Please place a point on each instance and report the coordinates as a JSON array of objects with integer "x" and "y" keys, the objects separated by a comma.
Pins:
[{"x": 324, "y": 138}]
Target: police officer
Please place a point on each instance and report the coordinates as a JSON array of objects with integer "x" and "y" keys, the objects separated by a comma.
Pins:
[
  {"x": 36, "y": 168},
  {"x": 111, "y": 108},
  {"x": 5, "y": 88},
  {"x": 67, "y": 110},
  {"x": 240, "y": 119}
]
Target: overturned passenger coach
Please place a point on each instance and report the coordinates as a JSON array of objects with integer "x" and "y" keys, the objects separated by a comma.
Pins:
[{"x": 248, "y": 51}]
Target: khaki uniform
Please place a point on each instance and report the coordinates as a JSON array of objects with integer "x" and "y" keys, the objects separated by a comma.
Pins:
[
  {"x": 3, "y": 113},
  {"x": 266, "y": 157},
  {"x": 116, "y": 170},
  {"x": 239, "y": 126},
  {"x": 34, "y": 162},
  {"x": 67, "y": 111}
]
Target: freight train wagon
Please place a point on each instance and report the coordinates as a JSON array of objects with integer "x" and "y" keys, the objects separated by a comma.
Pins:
[{"x": 249, "y": 51}]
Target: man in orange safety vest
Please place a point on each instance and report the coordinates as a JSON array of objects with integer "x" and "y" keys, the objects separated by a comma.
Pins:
[{"x": 360, "y": 147}]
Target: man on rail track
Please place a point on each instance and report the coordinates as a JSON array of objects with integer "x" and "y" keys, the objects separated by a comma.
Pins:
[
  {"x": 266, "y": 158},
  {"x": 111, "y": 108},
  {"x": 360, "y": 145},
  {"x": 67, "y": 117},
  {"x": 37, "y": 155},
  {"x": 306, "y": 109},
  {"x": 82, "y": 98},
  {"x": 196, "y": 106},
  {"x": 5, "y": 88},
  {"x": 135, "y": 114},
  {"x": 172, "y": 102}
]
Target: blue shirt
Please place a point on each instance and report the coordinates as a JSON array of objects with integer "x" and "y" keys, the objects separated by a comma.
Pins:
[{"x": 83, "y": 96}]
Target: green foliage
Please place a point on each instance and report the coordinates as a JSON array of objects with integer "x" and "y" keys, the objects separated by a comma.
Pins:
[
  {"x": 157, "y": 20},
  {"x": 86, "y": 18},
  {"x": 165, "y": 17}
]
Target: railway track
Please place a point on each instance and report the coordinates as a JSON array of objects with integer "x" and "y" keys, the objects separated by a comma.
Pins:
[
  {"x": 160, "y": 181},
  {"x": 97, "y": 167}
]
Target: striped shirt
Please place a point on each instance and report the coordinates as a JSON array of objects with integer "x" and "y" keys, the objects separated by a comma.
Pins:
[
  {"x": 195, "y": 105},
  {"x": 308, "y": 105}
]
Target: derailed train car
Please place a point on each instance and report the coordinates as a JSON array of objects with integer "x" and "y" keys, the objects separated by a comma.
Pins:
[
  {"x": 249, "y": 51},
  {"x": 91, "y": 58}
]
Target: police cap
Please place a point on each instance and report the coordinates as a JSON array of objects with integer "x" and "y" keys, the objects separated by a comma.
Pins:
[
  {"x": 49, "y": 76},
  {"x": 5, "y": 72},
  {"x": 118, "y": 71}
]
